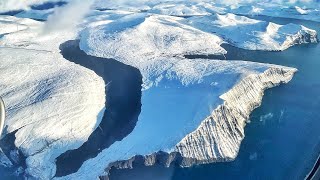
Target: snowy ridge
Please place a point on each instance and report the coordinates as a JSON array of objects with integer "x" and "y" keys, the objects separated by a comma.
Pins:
[
  {"x": 218, "y": 137},
  {"x": 253, "y": 34},
  {"x": 162, "y": 35},
  {"x": 295, "y": 12},
  {"x": 179, "y": 10}
]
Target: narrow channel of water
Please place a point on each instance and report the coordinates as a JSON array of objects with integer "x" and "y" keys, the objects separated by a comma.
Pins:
[{"x": 123, "y": 105}]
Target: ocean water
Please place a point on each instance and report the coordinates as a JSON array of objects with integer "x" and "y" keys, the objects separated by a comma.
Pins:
[{"x": 283, "y": 137}]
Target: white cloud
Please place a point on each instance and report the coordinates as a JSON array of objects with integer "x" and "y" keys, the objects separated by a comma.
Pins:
[{"x": 67, "y": 17}]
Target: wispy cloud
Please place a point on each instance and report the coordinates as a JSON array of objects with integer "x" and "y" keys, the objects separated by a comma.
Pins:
[{"x": 67, "y": 17}]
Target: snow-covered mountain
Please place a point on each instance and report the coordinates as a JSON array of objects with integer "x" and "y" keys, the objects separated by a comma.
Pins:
[
  {"x": 295, "y": 12},
  {"x": 253, "y": 34}
]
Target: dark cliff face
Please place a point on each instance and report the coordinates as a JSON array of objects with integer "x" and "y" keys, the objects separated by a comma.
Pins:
[{"x": 123, "y": 105}]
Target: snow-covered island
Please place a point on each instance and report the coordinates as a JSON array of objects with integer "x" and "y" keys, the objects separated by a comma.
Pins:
[{"x": 193, "y": 110}]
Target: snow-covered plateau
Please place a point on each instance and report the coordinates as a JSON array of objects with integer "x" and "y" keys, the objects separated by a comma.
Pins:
[
  {"x": 193, "y": 110},
  {"x": 52, "y": 105}
]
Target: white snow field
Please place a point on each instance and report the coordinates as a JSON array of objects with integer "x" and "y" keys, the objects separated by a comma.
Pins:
[
  {"x": 51, "y": 103},
  {"x": 25, "y": 33},
  {"x": 138, "y": 40},
  {"x": 11, "y": 24},
  {"x": 294, "y": 12},
  {"x": 175, "y": 9},
  {"x": 251, "y": 34},
  {"x": 195, "y": 107}
]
